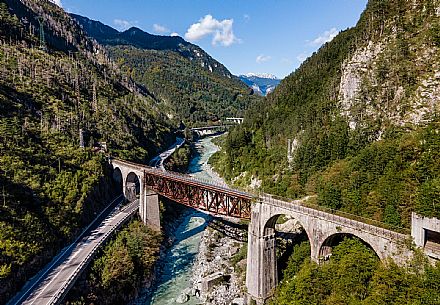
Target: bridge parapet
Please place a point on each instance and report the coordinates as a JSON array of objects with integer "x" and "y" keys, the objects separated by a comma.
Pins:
[
  {"x": 300, "y": 206},
  {"x": 182, "y": 177}
]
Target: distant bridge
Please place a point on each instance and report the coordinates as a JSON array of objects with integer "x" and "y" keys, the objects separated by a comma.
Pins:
[
  {"x": 235, "y": 120},
  {"x": 210, "y": 130}
]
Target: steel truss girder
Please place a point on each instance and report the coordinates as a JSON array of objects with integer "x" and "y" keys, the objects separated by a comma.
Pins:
[{"x": 201, "y": 196}]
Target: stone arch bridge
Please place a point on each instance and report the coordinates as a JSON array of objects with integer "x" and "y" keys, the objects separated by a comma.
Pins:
[{"x": 322, "y": 228}]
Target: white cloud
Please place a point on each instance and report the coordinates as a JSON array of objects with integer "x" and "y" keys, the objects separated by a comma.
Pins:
[
  {"x": 174, "y": 34},
  {"x": 262, "y": 58},
  {"x": 221, "y": 30},
  {"x": 57, "y": 2},
  {"x": 325, "y": 37},
  {"x": 122, "y": 24},
  {"x": 160, "y": 29}
]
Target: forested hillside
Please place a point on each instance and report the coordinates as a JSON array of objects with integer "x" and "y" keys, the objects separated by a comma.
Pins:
[
  {"x": 195, "y": 88},
  {"x": 52, "y": 87},
  {"x": 362, "y": 117}
]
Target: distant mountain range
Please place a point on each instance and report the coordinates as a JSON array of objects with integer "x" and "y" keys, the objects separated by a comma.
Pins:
[{"x": 262, "y": 84}]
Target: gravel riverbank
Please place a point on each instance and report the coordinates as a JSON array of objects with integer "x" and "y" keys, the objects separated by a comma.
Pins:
[{"x": 218, "y": 277}]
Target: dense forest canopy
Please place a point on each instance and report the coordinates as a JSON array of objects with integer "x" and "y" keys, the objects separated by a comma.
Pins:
[{"x": 354, "y": 275}]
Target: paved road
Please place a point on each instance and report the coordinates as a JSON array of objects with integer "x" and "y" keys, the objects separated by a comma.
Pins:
[
  {"x": 56, "y": 281},
  {"x": 158, "y": 160}
]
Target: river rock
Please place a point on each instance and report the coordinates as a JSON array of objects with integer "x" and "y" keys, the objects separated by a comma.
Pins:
[
  {"x": 212, "y": 280},
  {"x": 233, "y": 251},
  {"x": 182, "y": 298},
  {"x": 238, "y": 301}
]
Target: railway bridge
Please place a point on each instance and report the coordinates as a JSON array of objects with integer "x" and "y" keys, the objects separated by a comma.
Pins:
[
  {"x": 148, "y": 182},
  {"x": 324, "y": 229},
  {"x": 210, "y": 130}
]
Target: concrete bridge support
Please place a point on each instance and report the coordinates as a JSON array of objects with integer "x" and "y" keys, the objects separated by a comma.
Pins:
[
  {"x": 262, "y": 273},
  {"x": 150, "y": 214}
]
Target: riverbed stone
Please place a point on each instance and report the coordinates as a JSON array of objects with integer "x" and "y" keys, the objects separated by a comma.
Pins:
[
  {"x": 212, "y": 280},
  {"x": 182, "y": 298},
  {"x": 237, "y": 301},
  {"x": 233, "y": 251}
]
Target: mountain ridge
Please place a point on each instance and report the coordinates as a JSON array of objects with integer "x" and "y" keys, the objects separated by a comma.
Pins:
[
  {"x": 194, "y": 87},
  {"x": 366, "y": 95},
  {"x": 261, "y": 83},
  {"x": 55, "y": 95},
  {"x": 138, "y": 38},
  {"x": 261, "y": 75}
]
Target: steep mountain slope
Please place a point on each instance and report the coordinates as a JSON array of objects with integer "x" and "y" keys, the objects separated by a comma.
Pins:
[
  {"x": 362, "y": 117},
  {"x": 50, "y": 187},
  {"x": 195, "y": 87},
  {"x": 262, "y": 84}
]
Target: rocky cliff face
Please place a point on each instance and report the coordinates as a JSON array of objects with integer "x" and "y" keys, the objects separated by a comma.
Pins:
[{"x": 395, "y": 79}]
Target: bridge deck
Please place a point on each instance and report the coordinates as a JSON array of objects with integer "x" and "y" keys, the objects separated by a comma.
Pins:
[
  {"x": 337, "y": 216},
  {"x": 198, "y": 182}
]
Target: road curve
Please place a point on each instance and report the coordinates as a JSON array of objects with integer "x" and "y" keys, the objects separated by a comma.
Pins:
[{"x": 51, "y": 287}]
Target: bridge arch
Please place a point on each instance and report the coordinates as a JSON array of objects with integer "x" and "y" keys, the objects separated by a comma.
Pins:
[
  {"x": 325, "y": 250},
  {"x": 263, "y": 223},
  {"x": 132, "y": 186},
  {"x": 331, "y": 237},
  {"x": 287, "y": 233},
  {"x": 269, "y": 226},
  {"x": 118, "y": 179}
]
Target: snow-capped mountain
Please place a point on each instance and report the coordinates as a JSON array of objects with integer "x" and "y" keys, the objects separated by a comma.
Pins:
[
  {"x": 261, "y": 83},
  {"x": 260, "y": 75}
]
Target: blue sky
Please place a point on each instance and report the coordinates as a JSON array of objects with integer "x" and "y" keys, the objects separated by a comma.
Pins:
[{"x": 246, "y": 36}]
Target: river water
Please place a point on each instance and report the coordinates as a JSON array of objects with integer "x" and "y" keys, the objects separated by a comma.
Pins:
[{"x": 179, "y": 259}]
